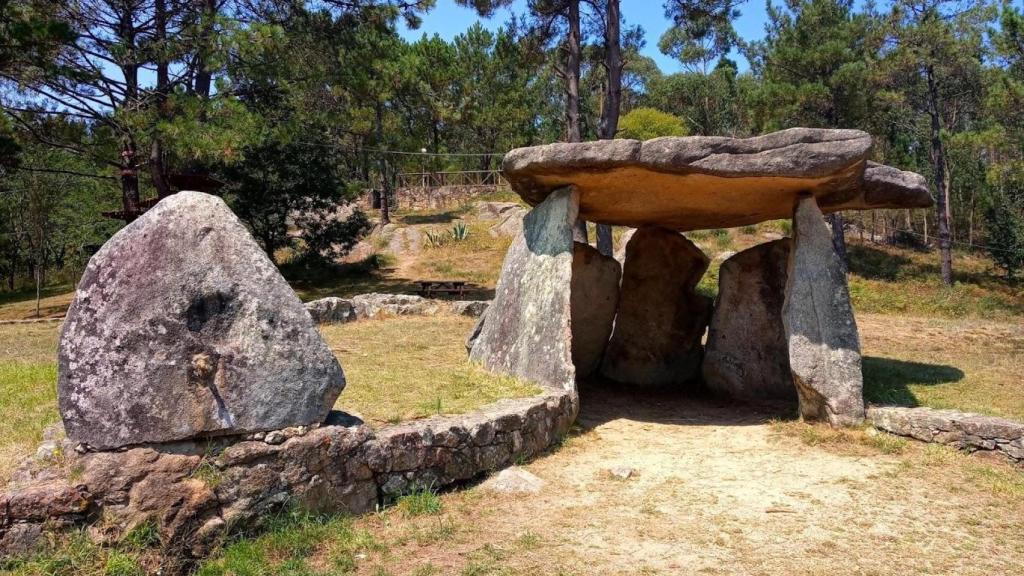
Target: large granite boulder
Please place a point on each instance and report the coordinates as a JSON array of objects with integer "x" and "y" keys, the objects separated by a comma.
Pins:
[
  {"x": 661, "y": 319},
  {"x": 527, "y": 330},
  {"x": 824, "y": 347},
  {"x": 698, "y": 182},
  {"x": 746, "y": 354},
  {"x": 182, "y": 327},
  {"x": 595, "y": 296}
]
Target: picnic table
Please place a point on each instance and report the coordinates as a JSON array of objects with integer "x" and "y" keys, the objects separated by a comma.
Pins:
[{"x": 429, "y": 288}]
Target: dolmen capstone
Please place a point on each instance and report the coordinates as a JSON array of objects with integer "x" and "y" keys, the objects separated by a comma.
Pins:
[
  {"x": 181, "y": 327},
  {"x": 782, "y": 327}
]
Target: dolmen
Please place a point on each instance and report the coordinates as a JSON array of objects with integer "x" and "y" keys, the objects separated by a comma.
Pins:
[{"x": 782, "y": 327}]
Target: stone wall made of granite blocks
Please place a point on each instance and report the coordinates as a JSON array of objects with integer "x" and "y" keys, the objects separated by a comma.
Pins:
[{"x": 195, "y": 491}]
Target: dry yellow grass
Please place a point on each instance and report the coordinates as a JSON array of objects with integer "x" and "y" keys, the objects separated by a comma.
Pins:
[{"x": 411, "y": 367}]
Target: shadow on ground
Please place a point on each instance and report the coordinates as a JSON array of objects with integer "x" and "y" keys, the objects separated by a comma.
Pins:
[
  {"x": 888, "y": 381},
  {"x": 602, "y": 402},
  {"x": 439, "y": 218}
]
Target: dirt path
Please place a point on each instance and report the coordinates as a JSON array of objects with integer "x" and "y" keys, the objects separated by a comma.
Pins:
[{"x": 717, "y": 490}]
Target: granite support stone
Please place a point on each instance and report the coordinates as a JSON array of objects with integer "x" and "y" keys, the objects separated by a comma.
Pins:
[
  {"x": 661, "y": 318},
  {"x": 527, "y": 333},
  {"x": 821, "y": 333},
  {"x": 594, "y": 298},
  {"x": 746, "y": 355}
]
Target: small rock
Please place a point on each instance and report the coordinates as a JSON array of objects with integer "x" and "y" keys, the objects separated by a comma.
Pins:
[
  {"x": 514, "y": 480},
  {"x": 47, "y": 451},
  {"x": 621, "y": 472},
  {"x": 274, "y": 438}
]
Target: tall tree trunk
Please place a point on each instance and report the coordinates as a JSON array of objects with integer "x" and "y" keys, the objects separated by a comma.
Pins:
[
  {"x": 157, "y": 171},
  {"x": 203, "y": 74},
  {"x": 129, "y": 181},
  {"x": 941, "y": 199},
  {"x": 572, "y": 75},
  {"x": 613, "y": 64},
  {"x": 572, "y": 97},
  {"x": 385, "y": 184},
  {"x": 611, "y": 104}
]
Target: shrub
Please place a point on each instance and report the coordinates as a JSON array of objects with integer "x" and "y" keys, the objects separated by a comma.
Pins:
[{"x": 647, "y": 123}]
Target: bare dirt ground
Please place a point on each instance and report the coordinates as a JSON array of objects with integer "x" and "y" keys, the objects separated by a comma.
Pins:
[{"x": 721, "y": 490}]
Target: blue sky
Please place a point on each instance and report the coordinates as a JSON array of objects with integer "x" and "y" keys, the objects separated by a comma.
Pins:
[{"x": 448, "y": 20}]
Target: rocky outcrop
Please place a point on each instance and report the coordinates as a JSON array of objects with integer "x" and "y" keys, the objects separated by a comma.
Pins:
[
  {"x": 746, "y": 355},
  {"x": 660, "y": 319},
  {"x": 331, "y": 310},
  {"x": 527, "y": 333},
  {"x": 375, "y": 304},
  {"x": 195, "y": 491},
  {"x": 699, "y": 182},
  {"x": 182, "y": 327},
  {"x": 594, "y": 299},
  {"x": 824, "y": 347},
  {"x": 963, "y": 431},
  {"x": 334, "y": 310},
  {"x": 509, "y": 216}
]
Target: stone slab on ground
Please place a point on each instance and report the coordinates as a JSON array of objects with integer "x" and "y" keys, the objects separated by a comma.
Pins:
[
  {"x": 962, "y": 430},
  {"x": 698, "y": 182},
  {"x": 821, "y": 333},
  {"x": 514, "y": 480},
  {"x": 527, "y": 332},
  {"x": 335, "y": 310},
  {"x": 660, "y": 319},
  {"x": 181, "y": 327},
  {"x": 746, "y": 355}
]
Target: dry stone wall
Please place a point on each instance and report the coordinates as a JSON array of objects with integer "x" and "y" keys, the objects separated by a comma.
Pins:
[
  {"x": 335, "y": 310},
  {"x": 965, "y": 431},
  {"x": 194, "y": 490}
]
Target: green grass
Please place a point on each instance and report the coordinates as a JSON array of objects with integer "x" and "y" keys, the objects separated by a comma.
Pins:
[
  {"x": 294, "y": 544},
  {"x": 28, "y": 401},
  {"x": 421, "y": 502}
]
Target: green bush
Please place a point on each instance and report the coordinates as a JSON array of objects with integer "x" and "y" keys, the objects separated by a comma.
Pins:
[{"x": 647, "y": 123}]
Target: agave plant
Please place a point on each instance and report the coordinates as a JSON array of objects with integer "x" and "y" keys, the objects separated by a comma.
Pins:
[
  {"x": 459, "y": 231},
  {"x": 436, "y": 239}
]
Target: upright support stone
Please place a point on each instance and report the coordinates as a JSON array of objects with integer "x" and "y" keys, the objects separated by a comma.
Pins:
[
  {"x": 595, "y": 296},
  {"x": 527, "y": 332},
  {"x": 661, "y": 318},
  {"x": 746, "y": 355},
  {"x": 824, "y": 348}
]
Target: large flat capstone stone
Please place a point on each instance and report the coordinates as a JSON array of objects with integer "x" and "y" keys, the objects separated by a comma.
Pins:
[
  {"x": 661, "y": 319},
  {"x": 746, "y": 355},
  {"x": 527, "y": 331},
  {"x": 821, "y": 333},
  {"x": 698, "y": 182},
  {"x": 181, "y": 327}
]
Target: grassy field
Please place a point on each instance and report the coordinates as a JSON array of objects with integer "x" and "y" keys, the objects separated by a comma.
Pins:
[{"x": 397, "y": 369}]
